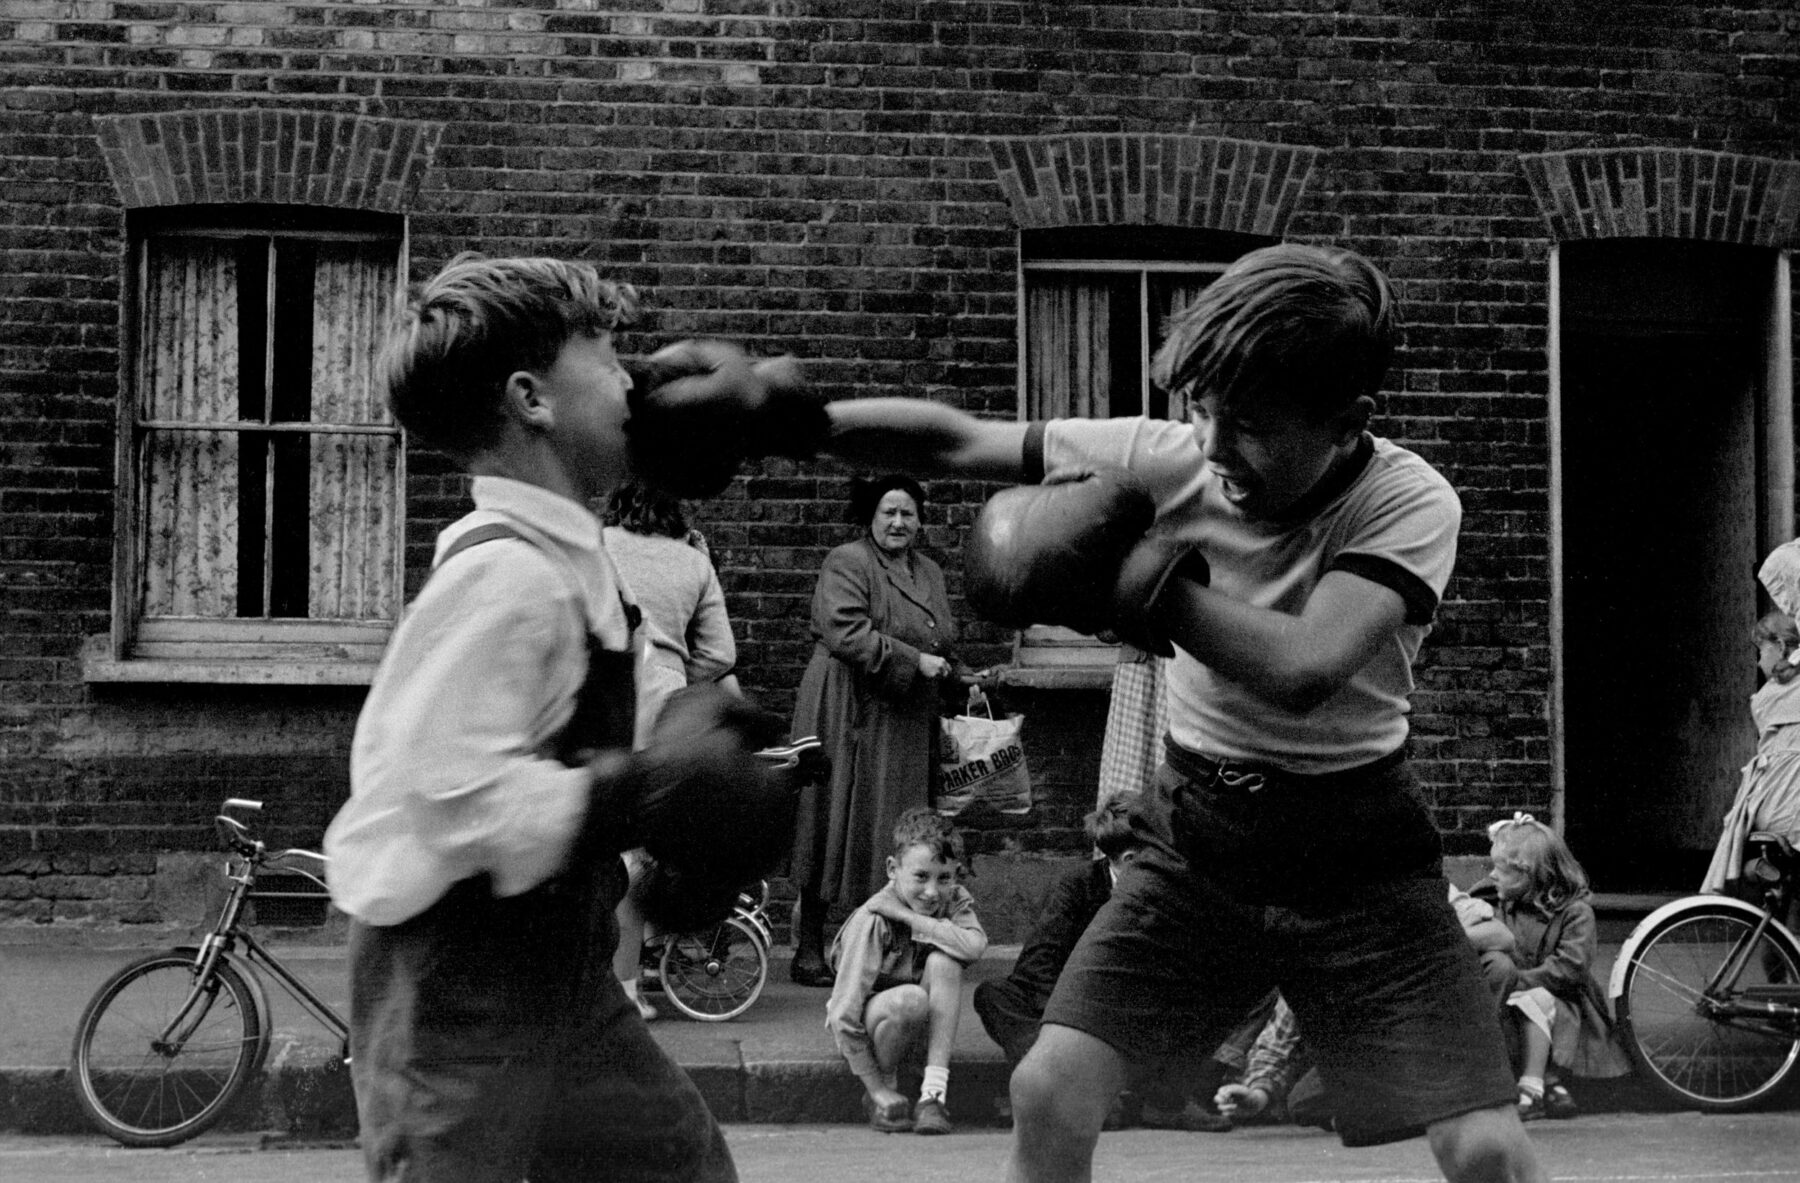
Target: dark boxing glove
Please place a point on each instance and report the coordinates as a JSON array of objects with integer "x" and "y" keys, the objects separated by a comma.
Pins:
[
  {"x": 697, "y": 797},
  {"x": 1074, "y": 552},
  {"x": 700, "y": 408}
]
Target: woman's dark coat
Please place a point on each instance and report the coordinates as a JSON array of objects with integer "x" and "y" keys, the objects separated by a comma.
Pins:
[{"x": 863, "y": 695}]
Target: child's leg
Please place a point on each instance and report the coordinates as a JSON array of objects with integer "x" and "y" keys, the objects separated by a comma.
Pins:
[
  {"x": 627, "y": 959},
  {"x": 1486, "y": 1146},
  {"x": 1060, "y": 1096},
  {"x": 943, "y": 992},
  {"x": 895, "y": 1019}
]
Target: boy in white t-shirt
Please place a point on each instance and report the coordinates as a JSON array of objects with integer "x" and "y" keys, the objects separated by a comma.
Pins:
[{"x": 1295, "y": 563}]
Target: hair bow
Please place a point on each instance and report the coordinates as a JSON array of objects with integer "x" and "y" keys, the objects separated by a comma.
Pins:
[{"x": 1517, "y": 819}]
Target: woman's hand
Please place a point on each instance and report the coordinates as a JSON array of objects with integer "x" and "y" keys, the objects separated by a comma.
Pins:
[{"x": 933, "y": 666}]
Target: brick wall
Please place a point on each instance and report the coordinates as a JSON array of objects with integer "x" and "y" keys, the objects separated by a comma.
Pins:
[{"x": 831, "y": 179}]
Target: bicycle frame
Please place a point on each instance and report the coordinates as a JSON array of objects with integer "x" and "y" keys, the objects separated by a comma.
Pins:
[{"x": 223, "y": 941}]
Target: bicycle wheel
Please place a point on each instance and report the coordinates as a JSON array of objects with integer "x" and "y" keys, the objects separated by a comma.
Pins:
[
  {"x": 717, "y": 973},
  {"x": 1690, "y": 1054},
  {"x": 145, "y": 1093}
]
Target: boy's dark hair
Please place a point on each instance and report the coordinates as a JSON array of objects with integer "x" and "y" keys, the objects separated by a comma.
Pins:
[
  {"x": 1315, "y": 323},
  {"x": 1109, "y": 828},
  {"x": 645, "y": 509},
  {"x": 468, "y": 328},
  {"x": 865, "y": 495},
  {"x": 928, "y": 828}
]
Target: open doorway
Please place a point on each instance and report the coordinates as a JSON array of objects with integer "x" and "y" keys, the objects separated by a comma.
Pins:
[{"x": 1675, "y": 460}]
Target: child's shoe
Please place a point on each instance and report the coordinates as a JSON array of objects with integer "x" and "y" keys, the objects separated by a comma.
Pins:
[
  {"x": 888, "y": 1119},
  {"x": 1558, "y": 1104},
  {"x": 930, "y": 1117},
  {"x": 1531, "y": 1106}
]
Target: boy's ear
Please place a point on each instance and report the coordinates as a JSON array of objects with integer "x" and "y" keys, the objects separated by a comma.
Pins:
[
  {"x": 523, "y": 400},
  {"x": 893, "y": 866},
  {"x": 1353, "y": 420}
]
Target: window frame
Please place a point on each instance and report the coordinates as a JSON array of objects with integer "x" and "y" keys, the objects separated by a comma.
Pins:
[
  {"x": 1050, "y": 656},
  {"x": 264, "y": 649}
]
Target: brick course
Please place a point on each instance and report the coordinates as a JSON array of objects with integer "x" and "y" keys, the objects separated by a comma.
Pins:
[{"x": 845, "y": 181}]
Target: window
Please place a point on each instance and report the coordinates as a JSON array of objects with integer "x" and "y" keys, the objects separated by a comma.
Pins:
[
  {"x": 261, "y": 472},
  {"x": 1094, "y": 304}
]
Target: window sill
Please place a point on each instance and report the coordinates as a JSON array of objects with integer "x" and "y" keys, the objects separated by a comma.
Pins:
[
  {"x": 99, "y": 666},
  {"x": 1068, "y": 677}
]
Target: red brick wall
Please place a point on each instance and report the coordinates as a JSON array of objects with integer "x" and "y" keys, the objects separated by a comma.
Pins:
[{"x": 821, "y": 178}]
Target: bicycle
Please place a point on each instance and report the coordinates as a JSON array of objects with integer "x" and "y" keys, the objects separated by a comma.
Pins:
[
  {"x": 169, "y": 1041},
  {"x": 717, "y": 973},
  {"x": 1707, "y": 989}
]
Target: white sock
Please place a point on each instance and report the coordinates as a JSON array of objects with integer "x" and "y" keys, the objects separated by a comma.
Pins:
[
  {"x": 1532, "y": 1084},
  {"x": 936, "y": 1084}
]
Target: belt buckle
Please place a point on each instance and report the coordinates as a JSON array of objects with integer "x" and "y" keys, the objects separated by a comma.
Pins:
[{"x": 1238, "y": 778}]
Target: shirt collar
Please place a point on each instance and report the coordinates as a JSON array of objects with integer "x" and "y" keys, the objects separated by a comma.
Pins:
[{"x": 566, "y": 522}]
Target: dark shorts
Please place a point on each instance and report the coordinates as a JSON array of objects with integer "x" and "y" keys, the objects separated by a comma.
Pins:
[
  {"x": 1330, "y": 888},
  {"x": 492, "y": 1042}
]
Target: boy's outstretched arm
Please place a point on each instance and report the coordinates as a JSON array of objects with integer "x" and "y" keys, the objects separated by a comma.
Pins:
[{"x": 916, "y": 435}]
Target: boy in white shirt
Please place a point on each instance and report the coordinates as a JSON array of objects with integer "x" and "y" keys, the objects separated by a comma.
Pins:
[{"x": 492, "y": 779}]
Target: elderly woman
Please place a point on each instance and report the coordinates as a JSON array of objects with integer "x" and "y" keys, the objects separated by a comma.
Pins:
[{"x": 882, "y": 627}]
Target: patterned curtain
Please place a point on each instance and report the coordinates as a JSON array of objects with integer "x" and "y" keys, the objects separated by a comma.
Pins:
[
  {"x": 354, "y": 536},
  {"x": 1170, "y": 293},
  {"x": 188, "y": 335},
  {"x": 1068, "y": 364}
]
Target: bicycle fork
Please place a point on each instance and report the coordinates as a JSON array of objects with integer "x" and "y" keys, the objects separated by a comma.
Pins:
[{"x": 205, "y": 989}]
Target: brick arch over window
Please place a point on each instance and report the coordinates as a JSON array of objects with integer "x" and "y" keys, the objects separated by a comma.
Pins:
[
  {"x": 263, "y": 156},
  {"x": 1205, "y": 182},
  {"x": 1667, "y": 193}
]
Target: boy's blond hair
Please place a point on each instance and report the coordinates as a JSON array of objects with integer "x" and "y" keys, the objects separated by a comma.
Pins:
[
  {"x": 468, "y": 328},
  {"x": 1316, "y": 324}
]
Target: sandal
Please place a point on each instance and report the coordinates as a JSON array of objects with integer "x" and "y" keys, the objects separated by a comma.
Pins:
[
  {"x": 1558, "y": 1104},
  {"x": 1531, "y": 1107}
]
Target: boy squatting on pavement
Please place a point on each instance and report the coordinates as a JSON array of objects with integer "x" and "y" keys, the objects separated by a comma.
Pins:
[
  {"x": 1292, "y": 562},
  {"x": 898, "y": 963}
]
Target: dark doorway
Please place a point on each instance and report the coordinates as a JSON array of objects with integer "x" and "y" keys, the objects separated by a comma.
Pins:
[{"x": 1664, "y": 516}]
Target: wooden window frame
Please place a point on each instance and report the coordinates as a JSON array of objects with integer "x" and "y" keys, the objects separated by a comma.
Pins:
[
  {"x": 1049, "y": 656},
  {"x": 267, "y": 647}
]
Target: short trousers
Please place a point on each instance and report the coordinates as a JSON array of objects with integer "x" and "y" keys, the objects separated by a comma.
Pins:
[
  {"x": 1330, "y": 888},
  {"x": 491, "y": 1042}
]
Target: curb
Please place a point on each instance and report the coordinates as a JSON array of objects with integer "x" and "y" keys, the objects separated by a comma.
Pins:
[{"x": 304, "y": 1092}]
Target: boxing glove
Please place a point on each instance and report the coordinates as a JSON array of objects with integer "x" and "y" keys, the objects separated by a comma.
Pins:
[
  {"x": 700, "y": 408},
  {"x": 698, "y": 797},
  {"x": 1074, "y": 552}
]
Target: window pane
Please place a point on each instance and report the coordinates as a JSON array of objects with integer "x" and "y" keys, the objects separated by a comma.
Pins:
[
  {"x": 1170, "y": 293},
  {"x": 188, "y": 334},
  {"x": 267, "y": 525},
  {"x": 354, "y": 526},
  {"x": 1080, "y": 345}
]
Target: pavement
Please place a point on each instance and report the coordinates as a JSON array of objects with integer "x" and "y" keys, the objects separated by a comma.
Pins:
[{"x": 775, "y": 1064}]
